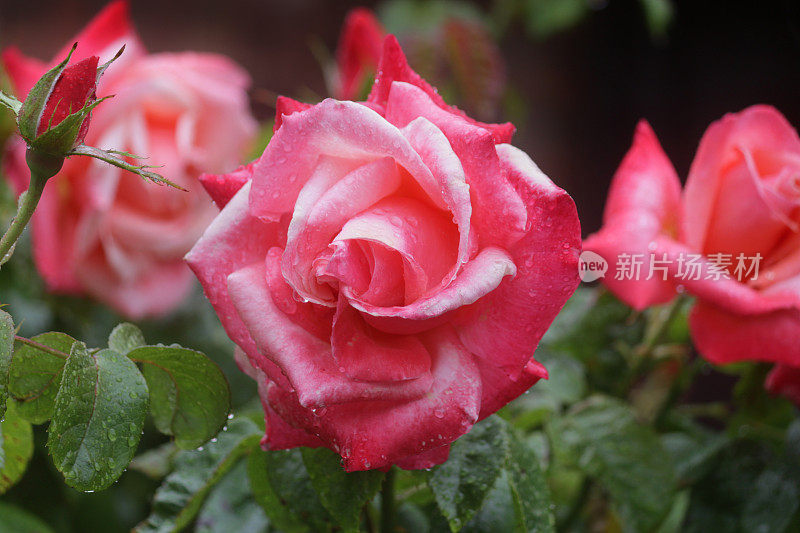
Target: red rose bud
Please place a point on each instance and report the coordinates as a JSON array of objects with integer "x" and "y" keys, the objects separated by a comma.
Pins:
[
  {"x": 54, "y": 118},
  {"x": 74, "y": 89}
]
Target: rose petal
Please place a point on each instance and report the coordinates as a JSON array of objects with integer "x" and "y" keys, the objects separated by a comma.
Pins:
[
  {"x": 785, "y": 380},
  {"x": 332, "y": 195},
  {"x": 376, "y": 434},
  {"x": 367, "y": 354},
  {"x": 725, "y": 337},
  {"x": 346, "y": 130},
  {"x": 506, "y": 325},
  {"x": 305, "y": 359},
  {"x": 393, "y": 67},
  {"x": 643, "y": 204},
  {"x": 233, "y": 240},
  {"x": 222, "y": 187},
  {"x": 498, "y": 212},
  {"x": 285, "y": 106}
]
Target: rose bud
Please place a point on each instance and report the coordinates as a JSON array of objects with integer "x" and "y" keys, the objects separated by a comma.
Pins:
[{"x": 357, "y": 54}]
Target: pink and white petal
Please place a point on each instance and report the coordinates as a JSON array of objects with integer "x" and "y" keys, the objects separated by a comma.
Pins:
[
  {"x": 335, "y": 192},
  {"x": 234, "y": 240},
  {"x": 724, "y": 292},
  {"x": 316, "y": 319},
  {"x": 425, "y": 237},
  {"x": 435, "y": 150},
  {"x": 346, "y": 130},
  {"x": 222, "y": 187},
  {"x": 305, "y": 359},
  {"x": 378, "y": 434},
  {"x": 285, "y": 106},
  {"x": 643, "y": 204},
  {"x": 499, "y": 388},
  {"x": 367, "y": 354},
  {"x": 480, "y": 276},
  {"x": 757, "y": 128},
  {"x": 506, "y": 325},
  {"x": 499, "y": 214},
  {"x": 393, "y": 67},
  {"x": 725, "y": 337},
  {"x": 278, "y": 433}
]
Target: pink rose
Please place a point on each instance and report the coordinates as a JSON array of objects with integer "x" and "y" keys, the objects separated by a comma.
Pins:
[
  {"x": 105, "y": 232},
  {"x": 388, "y": 270},
  {"x": 739, "y": 211}
]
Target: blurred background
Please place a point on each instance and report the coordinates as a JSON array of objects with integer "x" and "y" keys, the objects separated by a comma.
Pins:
[
  {"x": 574, "y": 76},
  {"x": 578, "y": 73}
]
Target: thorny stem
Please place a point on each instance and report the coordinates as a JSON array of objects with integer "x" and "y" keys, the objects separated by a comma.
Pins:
[{"x": 43, "y": 167}]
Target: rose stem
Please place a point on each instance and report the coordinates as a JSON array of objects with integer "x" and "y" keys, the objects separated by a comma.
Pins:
[
  {"x": 387, "y": 502},
  {"x": 43, "y": 167}
]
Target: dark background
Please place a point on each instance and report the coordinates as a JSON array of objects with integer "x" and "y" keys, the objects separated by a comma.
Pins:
[{"x": 584, "y": 88}]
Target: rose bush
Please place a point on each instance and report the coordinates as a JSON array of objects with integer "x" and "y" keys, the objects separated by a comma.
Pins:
[
  {"x": 388, "y": 268},
  {"x": 104, "y": 232},
  {"x": 742, "y": 197}
]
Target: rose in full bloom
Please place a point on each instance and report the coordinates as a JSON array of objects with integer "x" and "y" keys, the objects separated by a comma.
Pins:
[
  {"x": 737, "y": 219},
  {"x": 107, "y": 233},
  {"x": 388, "y": 269}
]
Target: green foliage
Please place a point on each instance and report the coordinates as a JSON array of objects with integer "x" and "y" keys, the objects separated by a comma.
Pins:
[
  {"x": 230, "y": 506},
  {"x": 342, "y": 494},
  {"x": 483, "y": 465},
  {"x": 181, "y": 496},
  {"x": 602, "y": 438},
  {"x": 16, "y": 448},
  {"x": 6, "y": 350},
  {"x": 125, "y": 337},
  {"x": 98, "y": 417},
  {"x": 15, "y": 520},
  {"x": 36, "y": 375},
  {"x": 282, "y": 486},
  {"x": 189, "y": 396}
]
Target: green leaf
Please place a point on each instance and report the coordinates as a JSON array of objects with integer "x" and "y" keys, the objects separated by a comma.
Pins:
[
  {"x": 529, "y": 489},
  {"x": 493, "y": 480},
  {"x": 98, "y": 418},
  {"x": 693, "y": 454},
  {"x": 125, "y": 337},
  {"x": 343, "y": 494},
  {"x": 16, "y": 448},
  {"x": 112, "y": 157},
  {"x": 34, "y": 104},
  {"x": 658, "y": 14},
  {"x": 281, "y": 485},
  {"x": 196, "y": 472},
  {"x": 476, "y": 460},
  {"x": 230, "y": 507},
  {"x": 602, "y": 438},
  {"x": 60, "y": 139},
  {"x": 10, "y": 102},
  {"x": 748, "y": 489},
  {"x": 6, "y": 351},
  {"x": 189, "y": 395},
  {"x": 16, "y": 520},
  {"x": 36, "y": 375},
  {"x": 547, "y": 17}
]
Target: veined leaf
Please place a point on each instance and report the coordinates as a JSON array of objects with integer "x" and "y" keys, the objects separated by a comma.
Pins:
[
  {"x": 16, "y": 448},
  {"x": 189, "y": 395},
  {"x": 97, "y": 419}
]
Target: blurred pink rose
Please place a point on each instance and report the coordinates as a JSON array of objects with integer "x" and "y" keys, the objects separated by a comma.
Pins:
[
  {"x": 742, "y": 199},
  {"x": 388, "y": 271},
  {"x": 107, "y": 233}
]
